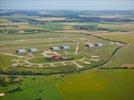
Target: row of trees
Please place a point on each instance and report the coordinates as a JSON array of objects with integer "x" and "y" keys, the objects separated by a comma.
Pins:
[
  {"x": 17, "y": 89},
  {"x": 6, "y": 80}
]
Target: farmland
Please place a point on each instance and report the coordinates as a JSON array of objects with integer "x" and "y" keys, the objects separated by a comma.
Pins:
[
  {"x": 120, "y": 36},
  {"x": 45, "y": 41},
  {"x": 98, "y": 63},
  {"x": 96, "y": 83}
]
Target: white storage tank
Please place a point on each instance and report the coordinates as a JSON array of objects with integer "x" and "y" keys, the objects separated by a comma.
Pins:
[
  {"x": 64, "y": 47},
  {"x": 90, "y": 45},
  {"x": 32, "y": 50},
  {"x": 55, "y": 48},
  {"x": 21, "y": 51}
]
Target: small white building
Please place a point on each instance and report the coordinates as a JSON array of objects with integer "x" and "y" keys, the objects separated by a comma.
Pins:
[
  {"x": 21, "y": 51},
  {"x": 64, "y": 47},
  {"x": 90, "y": 45},
  {"x": 32, "y": 50},
  {"x": 55, "y": 48},
  {"x": 99, "y": 44}
]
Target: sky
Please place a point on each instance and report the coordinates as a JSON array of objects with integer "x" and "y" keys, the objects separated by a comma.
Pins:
[{"x": 67, "y": 4}]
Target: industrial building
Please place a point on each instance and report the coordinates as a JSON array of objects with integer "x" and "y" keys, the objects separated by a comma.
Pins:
[
  {"x": 65, "y": 47},
  {"x": 92, "y": 45},
  {"x": 21, "y": 51},
  {"x": 55, "y": 48},
  {"x": 32, "y": 50}
]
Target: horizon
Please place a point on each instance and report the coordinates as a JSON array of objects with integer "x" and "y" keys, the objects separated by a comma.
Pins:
[
  {"x": 90, "y": 5},
  {"x": 58, "y": 10}
]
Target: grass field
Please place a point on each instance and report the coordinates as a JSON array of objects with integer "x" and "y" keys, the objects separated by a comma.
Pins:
[
  {"x": 5, "y": 60},
  {"x": 127, "y": 37},
  {"x": 123, "y": 56},
  {"x": 43, "y": 41},
  {"x": 96, "y": 85},
  {"x": 33, "y": 89}
]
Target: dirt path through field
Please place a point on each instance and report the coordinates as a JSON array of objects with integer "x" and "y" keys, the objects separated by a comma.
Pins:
[{"x": 8, "y": 54}]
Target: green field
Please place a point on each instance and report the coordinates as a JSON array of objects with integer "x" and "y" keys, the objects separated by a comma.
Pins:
[
  {"x": 43, "y": 41},
  {"x": 123, "y": 56},
  {"x": 5, "y": 61},
  {"x": 99, "y": 85},
  {"x": 127, "y": 37},
  {"x": 96, "y": 85},
  {"x": 34, "y": 88}
]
